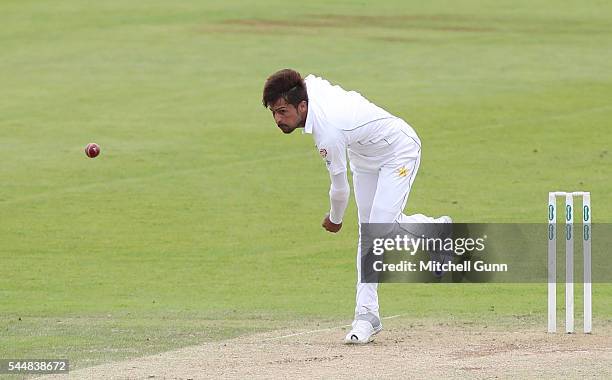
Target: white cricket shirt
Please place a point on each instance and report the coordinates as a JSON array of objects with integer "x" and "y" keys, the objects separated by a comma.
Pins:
[{"x": 342, "y": 121}]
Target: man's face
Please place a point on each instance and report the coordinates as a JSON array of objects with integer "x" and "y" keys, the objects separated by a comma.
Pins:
[{"x": 287, "y": 117}]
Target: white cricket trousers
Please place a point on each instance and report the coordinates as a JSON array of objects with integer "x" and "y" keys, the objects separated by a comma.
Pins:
[{"x": 381, "y": 197}]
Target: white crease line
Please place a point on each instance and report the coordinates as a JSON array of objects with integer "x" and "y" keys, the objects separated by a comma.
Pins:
[{"x": 321, "y": 330}]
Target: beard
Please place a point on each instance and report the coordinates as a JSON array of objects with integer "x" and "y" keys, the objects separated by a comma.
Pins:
[{"x": 287, "y": 129}]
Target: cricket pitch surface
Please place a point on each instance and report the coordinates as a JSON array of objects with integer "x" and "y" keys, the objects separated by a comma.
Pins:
[{"x": 405, "y": 349}]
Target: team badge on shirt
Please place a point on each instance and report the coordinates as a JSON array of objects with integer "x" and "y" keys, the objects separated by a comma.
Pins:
[
  {"x": 323, "y": 152},
  {"x": 402, "y": 172}
]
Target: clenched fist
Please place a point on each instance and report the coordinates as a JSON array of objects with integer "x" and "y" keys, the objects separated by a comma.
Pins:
[{"x": 330, "y": 226}]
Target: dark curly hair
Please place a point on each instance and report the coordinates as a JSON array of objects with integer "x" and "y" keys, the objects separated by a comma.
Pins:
[{"x": 287, "y": 84}]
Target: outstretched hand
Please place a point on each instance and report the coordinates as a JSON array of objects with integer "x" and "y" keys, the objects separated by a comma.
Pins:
[{"x": 330, "y": 226}]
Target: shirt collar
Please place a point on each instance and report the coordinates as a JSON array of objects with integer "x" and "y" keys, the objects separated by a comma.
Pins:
[
  {"x": 309, "y": 120},
  {"x": 308, "y": 125}
]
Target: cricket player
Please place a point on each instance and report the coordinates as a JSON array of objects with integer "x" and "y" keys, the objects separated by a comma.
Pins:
[{"x": 384, "y": 154}]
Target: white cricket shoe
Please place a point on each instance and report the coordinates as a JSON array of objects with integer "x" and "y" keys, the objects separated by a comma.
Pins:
[
  {"x": 365, "y": 326},
  {"x": 442, "y": 257},
  {"x": 445, "y": 219}
]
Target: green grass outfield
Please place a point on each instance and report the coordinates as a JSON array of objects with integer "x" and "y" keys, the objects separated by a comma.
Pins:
[{"x": 201, "y": 221}]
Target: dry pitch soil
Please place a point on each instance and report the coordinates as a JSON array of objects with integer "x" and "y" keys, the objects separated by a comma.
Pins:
[{"x": 405, "y": 349}]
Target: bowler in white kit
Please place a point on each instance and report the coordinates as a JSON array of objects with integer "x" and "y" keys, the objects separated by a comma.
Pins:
[{"x": 384, "y": 153}]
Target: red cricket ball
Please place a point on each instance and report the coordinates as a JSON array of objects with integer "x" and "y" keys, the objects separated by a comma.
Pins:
[{"x": 92, "y": 150}]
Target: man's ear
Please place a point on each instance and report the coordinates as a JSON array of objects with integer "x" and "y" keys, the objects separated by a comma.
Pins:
[{"x": 303, "y": 106}]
